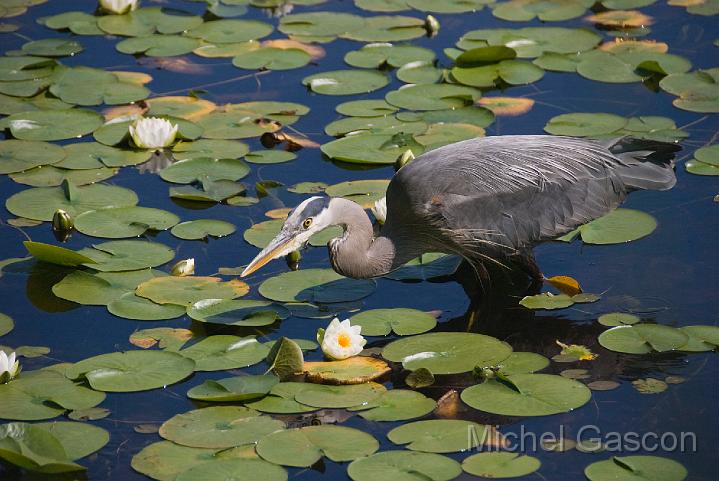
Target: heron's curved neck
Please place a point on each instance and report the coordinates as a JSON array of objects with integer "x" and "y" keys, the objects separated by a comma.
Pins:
[{"x": 358, "y": 253}]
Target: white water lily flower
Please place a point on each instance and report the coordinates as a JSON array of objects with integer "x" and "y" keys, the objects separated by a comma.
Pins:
[
  {"x": 153, "y": 133},
  {"x": 380, "y": 210},
  {"x": 9, "y": 367},
  {"x": 118, "y": 7},
  {"x": 342, "y": 340}
]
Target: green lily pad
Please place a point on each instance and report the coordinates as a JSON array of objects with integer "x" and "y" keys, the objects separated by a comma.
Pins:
[
  {"x": 79, "y": 23},
  {"x": 146, "y": 21},
  {"x": 420, "y": 73},
  {"x": 236, "y": 388},
  {"x": 346, "y": 82},
  {"x": 20, "y": 155},
  {"x": 202, "y": 228},
  {"x": 319, "y": 24},
  {"x": 270, "y": 58},
  {"x": 527, "y": 395},
  {"x": 132, "y": 370},
  {"x": 49, "y": 176},
  {"x": 281, "y": 399},
  {"x": 128, "y": 255},
  {"x": 52, "y": 47},
  {"x": 101, "y": 288},
  {"x": 448, "y": 6},
  {"x": 216, "y": 353},
  {"x": 439, "y": 435},
  {"x": 131, "y": 306},
  {"x": 697, "y": 91},
  {"x": 208, "y": 191},
  {"x": 377, "y": 125},
  {"x": 500, "y": 465},
  {"x": 52, "y": 124},
  {"x": 585, "y": 124},
  {"x": 636, "y": 468},
  {"x": 544, "y": 10},
  {"x": 447, "y": 352},
  {"x": 213, "y": 149},
  {"x": 236, "y": 124},
  {"x": 6, "y": 324},
  {"x": 91, "y": 86},
  {"x": 396, "y": 405},
  {"x": 387, "y": 28},
  {"x": 403, "y": 322},
  {"x": 119, "y": 222},
  {"x": 619, "y": 226},
  {"x": 547, "y": 300},
  {"x": 78, "y": 439},
  {"x": 315, "y": 285},
  {"x": 40, "y": 203},
  {"x": 353, "y": 370},
  {"x": 365, "y": 108},
  {"x": 158, "y": 45},
  {"x": 248, "y": 468},
  {"x": 404, "y": 465},
  {"x": 34, "y": 449},
  {"x": 643, "y": 338},
  {"x": 344, "y": 396},
  {"x": 371, "y": 148},
  {"x": 93, "y": 155},
  {"x": 237, "y": 312},
  {"x": 164, "y": 460},
  {"x": 191, "y": 170},
  {"x": 432, "y": 96},
  {"x": 230, "y": 31},
  {"x": 426, "y": 266},
  {"x": 269, "y": 156},
  {"x": 613, "y": 319},
  {"x": 303, "y": 447},
  {"x": 624, "y": 67},
  {"x": 375, "y": 55},
  {"x": 41, "y": 101},
  {"x": 701, "y": 338},
  {"x": 185, "y": 291},
  {"x": 533, "y": 41},
  {"x": 56, "y": 254},
  {"x": 218, "y": 427},
  {"x": 44, "y": 394}
]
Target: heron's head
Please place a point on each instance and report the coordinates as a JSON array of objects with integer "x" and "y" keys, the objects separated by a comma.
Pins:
[{"x": 310, "y": 217}]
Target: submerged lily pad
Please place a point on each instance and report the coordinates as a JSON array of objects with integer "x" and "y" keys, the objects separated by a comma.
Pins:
[
  {"x": 643, "y": 338},
  {"x": 315, "y": 285},
  {"x": 404, "y": 465},
  {"x": 403, "y": 322},
  {"x": 447, "y": 352},
  {"x": 218, "y": 427},
  {"x": 303, "y": 447},
  {"x": 527, "y": 395},
  {"x": 119, "y": 222},
  {"x": 132, "y": 370},
  {"x": 216, "y": 353},
  {"x": 346, "y": 82},
  {"x": 636, "y": 468},
  {"x": 500, "y": 465}
]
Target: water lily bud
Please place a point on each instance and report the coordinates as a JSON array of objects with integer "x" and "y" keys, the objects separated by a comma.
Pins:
[
  {"x": 432, "y": 25},
  {"x": 118, "y": 7},
  {"x": 380, "y": 210},
  {"x": 342, "y": 340},
  {"x": 293, "y": 260},
  {"x": 404, "y": 159},
  {"x": 184, "y": 268},
  {"x": 61, "y": 221},
  {"x": 9, "y": 367},
  {"x": 153, "y": 133}
]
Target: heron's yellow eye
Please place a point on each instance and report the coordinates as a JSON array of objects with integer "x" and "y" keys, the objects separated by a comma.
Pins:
[{"x": 307, "y": 223}]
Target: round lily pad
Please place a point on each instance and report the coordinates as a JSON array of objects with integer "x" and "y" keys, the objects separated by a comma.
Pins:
[
  {"x": 370, "y": 148},
  {"x": 146, "y": 21},
  {"x": 216, "y": 353},
  {"x": 237, "y": 312},
  {"x": 213, "y": 149},
  {"x": 235, "y": 388},
  {"x": 319, "y": 24},
  {"x": 119, "y": 222},
  {"x": 40, "y": 203},
  {"x": 281, "y": 399},
  {"x": 403, "y": 322},
  {"x": 218, "y": 427},
  {"x": 523, "y": 363},
  {"x": 270, "y": 58},
  {"x": 6, "y": 324},
  {"x": 49, "y": 176},
  {"x": 619, "y": 226},
  {"x": 91, "y": 86},
  {"x": 100, "y": 288},
  {"x": 527, "y": 395},
  {"x": 447, "y": 352},
  {"x": 636, "y": 468},
  {"x": 93, "y": 155},
  {"x": 53, "y": 124},
  {"x": 585, "y": 124},
  {"x": 366, "y": 108},
  {"x": 701, "y": 338},
  {"x": 432, "y": 96},
  {"x": 158, "y": 45},
  {"x": 230, "y": 31},
  {"x": 325, "y": 396},
  {"x": 404, "y": 465},
  {"x": 500, "y": 465},
  {"x": 131, "y": 306},
  {"x": 315, "y": 285},
  {"x": 77, "y": 439},
  {"x": 396, "y": 405},
  {"x": 236, "y": 124},
  {"x": 132, "y": 370},
  {"x": 20, "y": 155},
  {"x": 165, "y": 460},
  {"x": 303, "y": 447},
  {"x": 439, "y": 435},
  {"x": 613, "y": 319},
  {"x": 185, "y": 291},
  {"x": 643, "y": 338},
  {"x": 227, "y": 469},
  {"x": 269, "y": 156},
  {"x": 202, "y": 228},
  {"x": 128, "y": 255},
  {"x": 387, "y": 28},
  {"x": 353, "y": 370},
  {"x": 546, "y": 300},
  {"x": 52, "y": 47},
  {"x": 202, "y": 168},
  {"x": 34, "y": 449},
  {"x": 346, "y": 82}
]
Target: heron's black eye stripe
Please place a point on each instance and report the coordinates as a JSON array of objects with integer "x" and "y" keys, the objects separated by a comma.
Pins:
[{"x": 307, "y": 223}]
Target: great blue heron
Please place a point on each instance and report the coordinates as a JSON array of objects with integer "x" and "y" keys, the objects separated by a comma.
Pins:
[{"x": 489, "y": 200}]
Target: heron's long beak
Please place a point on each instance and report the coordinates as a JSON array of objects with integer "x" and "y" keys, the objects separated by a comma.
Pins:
[{"x": 276, "y": 248}]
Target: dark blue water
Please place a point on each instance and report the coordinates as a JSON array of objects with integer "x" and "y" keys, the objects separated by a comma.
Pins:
[{"x": 670, "y": 277}]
